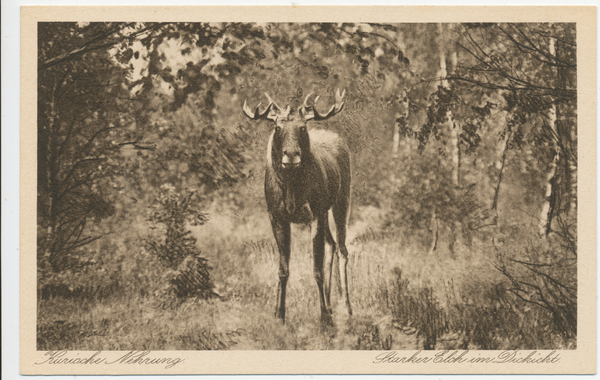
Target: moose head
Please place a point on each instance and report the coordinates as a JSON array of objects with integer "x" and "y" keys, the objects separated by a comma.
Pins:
[{"x": 291, "y": 141}]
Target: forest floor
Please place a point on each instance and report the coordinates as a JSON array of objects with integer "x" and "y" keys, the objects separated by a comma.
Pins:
[{"x": 244, "y": 258}]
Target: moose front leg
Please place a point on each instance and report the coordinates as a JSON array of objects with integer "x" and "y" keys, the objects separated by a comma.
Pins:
[
  {"x": 318, "y": 233},
  {"x": 281, "y": 231}
]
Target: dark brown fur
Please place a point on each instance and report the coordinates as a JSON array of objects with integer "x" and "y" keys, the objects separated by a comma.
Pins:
[{"x": 307, "y": 174}]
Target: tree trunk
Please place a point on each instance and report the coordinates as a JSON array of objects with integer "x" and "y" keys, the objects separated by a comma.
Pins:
[
  {"x": 51, "y": 179},
  {"x": 396, "y": 136},
  {"x": 545, "y": 224},
  {"x": 395, "y": 146},
  {"x": 502, "y": 164},
  {"x": 551, "y": 184},
  {"x": 441, "y": 40},
  {"x": 400, "y": 121},
  {"x": 433, "y": 227},
  {"x": 451, "y": 126},
  {"x": 567, "y": 130},
  {"x": 572, "y": 167},
  {"x": 453, "y": 131}
]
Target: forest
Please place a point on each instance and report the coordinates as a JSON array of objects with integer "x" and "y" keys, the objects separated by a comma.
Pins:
[{"x": 152, "y": 225}]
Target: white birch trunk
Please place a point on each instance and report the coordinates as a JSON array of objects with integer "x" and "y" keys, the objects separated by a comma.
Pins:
[
  {"x": 454, "y": 132},
  {"x": 572, "y": 164},
  {"x": 500, "y": 164},
  {"x": 402, "y": 114},
  {"x": 547, "y": 205},
  {"x": 452, "y": 129},
  {"x": 396, "y": 137},
  {"x": 550, "y": 193},
  {"x": 451, "y": 126},
  {"x": 395, "y": 146}
]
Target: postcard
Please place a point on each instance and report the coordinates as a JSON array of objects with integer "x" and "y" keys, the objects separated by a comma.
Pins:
[{"x": 308, "y": 190}]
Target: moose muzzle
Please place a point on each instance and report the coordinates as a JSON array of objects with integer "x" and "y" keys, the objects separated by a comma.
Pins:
[{"x": 290, "y": 160}]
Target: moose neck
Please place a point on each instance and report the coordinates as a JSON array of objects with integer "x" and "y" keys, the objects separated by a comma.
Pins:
[
  {"x": 295, "y": 189},
  {"x": 295, "y": 179},
  {"x": 293, "y": 184}
]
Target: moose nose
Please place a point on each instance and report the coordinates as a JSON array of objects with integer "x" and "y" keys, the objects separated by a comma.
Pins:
[{"x": 290, "y": 160}]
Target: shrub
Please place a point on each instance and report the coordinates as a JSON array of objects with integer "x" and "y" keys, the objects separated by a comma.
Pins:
[
  {"x": 491, "y": 319},
  {"x": 417, "y": 311},
  {"x": 427, "y": 198},
  {"x": 186, "y": 272},
  {"x": 544, "y": 275},
  {"x": 372, "y": 340}
]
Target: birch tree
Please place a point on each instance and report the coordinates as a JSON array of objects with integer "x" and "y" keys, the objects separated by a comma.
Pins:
[{"x": 534, "y": 67}]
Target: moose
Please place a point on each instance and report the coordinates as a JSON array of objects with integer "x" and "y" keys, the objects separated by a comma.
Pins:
[{"x": 307, "y": 173}]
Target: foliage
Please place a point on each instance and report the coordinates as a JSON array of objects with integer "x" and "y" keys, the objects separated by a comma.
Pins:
[
  {"x": 372, "y": 340},
  {"x": 493, "y": 321},
  {"x": 418, "y": 313},
  {"x": 80, "y": 104},
  {"x": 534, "y": 69},
  {"x": 545, "y": 276},
  {"x": 427, "y": 190},
  {"x": 186, "y": 272}
]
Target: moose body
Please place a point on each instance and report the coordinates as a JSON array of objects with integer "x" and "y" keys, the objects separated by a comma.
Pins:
[{"x": 307, "y": 174}]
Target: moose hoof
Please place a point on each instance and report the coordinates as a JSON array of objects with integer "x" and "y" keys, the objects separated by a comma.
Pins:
[
  {"x": 280, "y": 316},
  {"x": 327, "y": 319}
]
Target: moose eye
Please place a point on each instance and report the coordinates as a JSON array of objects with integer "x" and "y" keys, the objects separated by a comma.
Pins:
[
  {"x": 277, "y": 129},
  {"x": 303, "y": 129}
]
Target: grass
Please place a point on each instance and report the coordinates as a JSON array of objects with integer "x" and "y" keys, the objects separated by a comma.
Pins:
[{"x": 402, "y": 298}]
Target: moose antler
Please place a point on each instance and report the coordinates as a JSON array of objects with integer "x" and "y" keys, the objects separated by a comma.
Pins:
[
  {"x": 272, "y": 112},
  {"x": 310, "y": 112}
]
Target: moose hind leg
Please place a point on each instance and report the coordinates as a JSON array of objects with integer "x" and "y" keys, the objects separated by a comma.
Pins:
[
  {"x": 318, "y": 234},
  {"x": 281, "y": 231},
  {"x": 340, "y": 215},
  {"x": 328, "y": 263}
]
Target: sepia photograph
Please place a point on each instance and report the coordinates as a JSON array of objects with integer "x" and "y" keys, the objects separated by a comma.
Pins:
[{"x": 404, "y": 189}]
